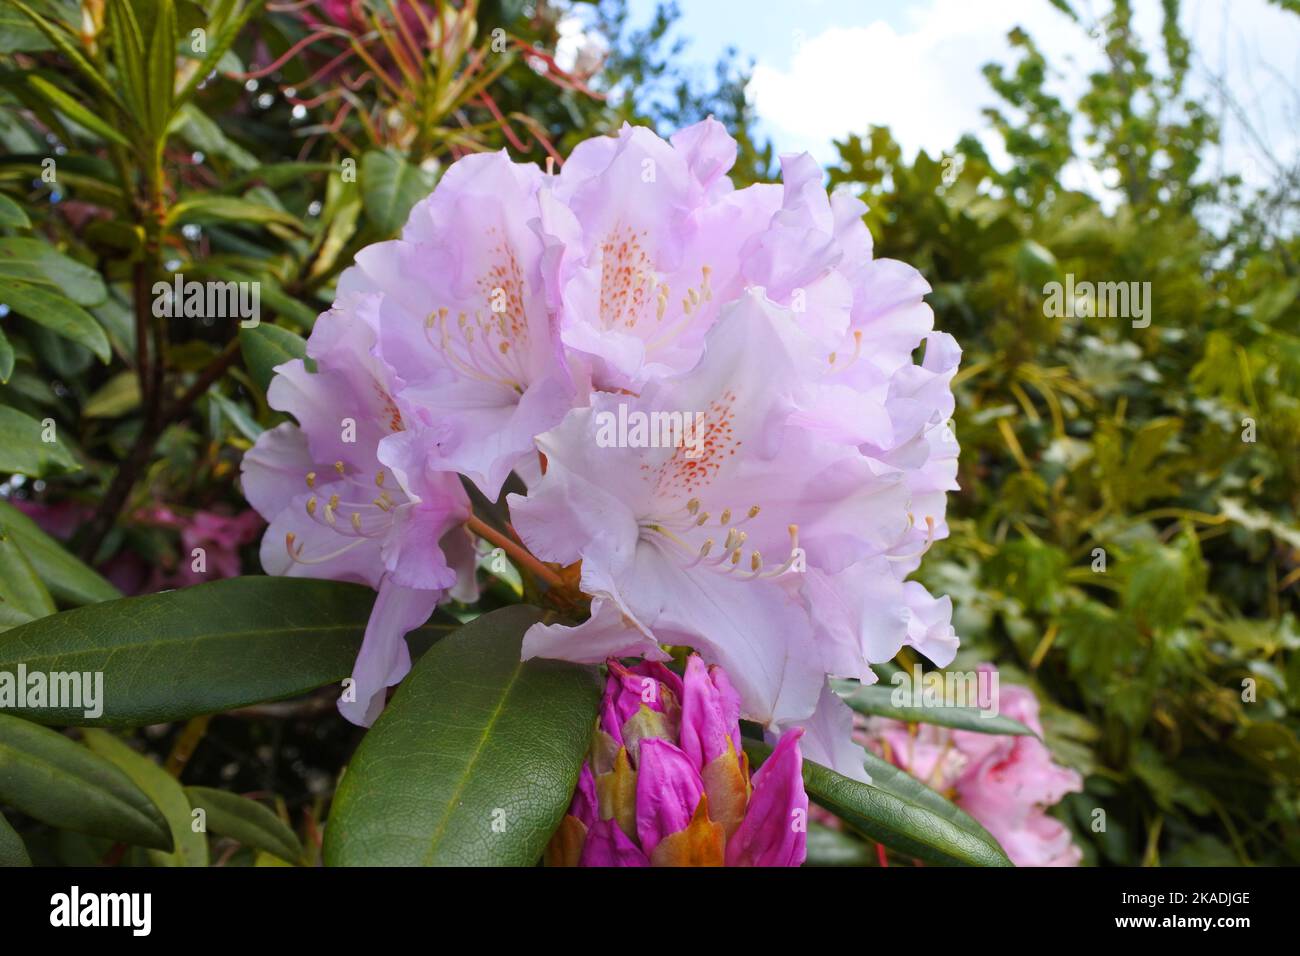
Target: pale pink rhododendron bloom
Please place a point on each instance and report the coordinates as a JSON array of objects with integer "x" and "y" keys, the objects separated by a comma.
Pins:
[
  {"x": 667, "y": 784},
  {"x": 463, "y": 318},
  {"x": 343, "y": 504},
  {"x": 518, "y": 311},
  {"x": 1005, "y": 782}
]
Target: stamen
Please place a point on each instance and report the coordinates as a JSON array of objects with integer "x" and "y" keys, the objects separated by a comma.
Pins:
[
  {"x": 929, "y": 540},
  {"x": 726, "y": 516},
  {"x": 311, "y": 479},
  {"x": 693, "y": 506},
  {"x": 379, "y": 480},
  {"x": 295, "y": 555},
  {"x": 789, "y": 562},
  {"x": 338, "y": 466},
  {"x": 311, "y": 506},
  {"x": 356, "y": 522},
  {"x": 857, "y": 352}
]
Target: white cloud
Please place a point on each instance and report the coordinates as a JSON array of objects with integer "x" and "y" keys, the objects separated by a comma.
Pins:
[{"x": 923, "y": 79}]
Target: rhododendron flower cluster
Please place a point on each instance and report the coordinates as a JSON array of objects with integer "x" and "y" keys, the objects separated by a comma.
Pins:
[
  {"x": 519, "y": 310},
  {"x": 1005, "y": 782},
  {"x": 666, "y": 783}
]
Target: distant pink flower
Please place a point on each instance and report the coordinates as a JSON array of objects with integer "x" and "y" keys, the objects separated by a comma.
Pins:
[
  {"x": 217, "y": 539},
  {"x": 1004, "y": 782},
  {"x": 667, "y": 784}
]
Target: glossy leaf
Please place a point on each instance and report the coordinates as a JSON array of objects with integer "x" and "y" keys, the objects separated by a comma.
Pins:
[
  {"x": 12, "y": 850},
  {"x": 390, "y": 186},
  {"x": 475, "y": 759},
  {"x": 75, "y": 111},
  {"x": 6, "y": 358},
  {"x": 249, "y": 822},
  {"x": 266, "y": 346},
  {"x": 67, "y": 578},
  {"x": 896, "y": 813},
  {"x": 24, "y": 450},
  {"x": 189, "y": 848},
  {"x": 12, "y": 215},
  {"x": 57, "y": 781},
  {"x": 36, "y": 262},
  {"x": 202, "y": 209},
  {"x": 23, "y": 597},
  {"x": 59, "y": 315},
  {"x": 875, "y": 700},
  {"x": 204, "y": 649}
]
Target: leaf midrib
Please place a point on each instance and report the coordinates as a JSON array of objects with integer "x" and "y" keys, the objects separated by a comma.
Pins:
[
  {"x": 57, "y": 772},
  {"x": 469, "y": 767},
  {"x": 239, "y": 635}
]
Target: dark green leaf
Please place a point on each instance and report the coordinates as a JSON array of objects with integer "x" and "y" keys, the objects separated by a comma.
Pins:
[
  {"x": 203, "y": 209},
  {"x": 875, "y": 700},
  {"x": 12, "y": 851},
  {"x": 22, "y": 596},
  {"x": 12, "y": 214},
  {"x": 36, "y": 261},
  {"x": 390, "y": 186},
  {"x": 475, "y": 759},
  {"x": 161, "y": 66},
  {"x": 75, "y": 111},
  {"x": 129, "y": 58},
  {"x": 67, "y": 578},
  {"x": 52, "y": 779},
  {"x": 265, "y": 347},
  {"x": 203, "y": 649},
  {"x": 189, "y": 848},
  {"x": 898, "y": 811},
  {"x": 6, "y": 358},
  {"x": 62, "y": 40},
  {"x": 23, "y": 449},
  {"x": 247, "y": 821},
  {"x": 56, "y": 313}
]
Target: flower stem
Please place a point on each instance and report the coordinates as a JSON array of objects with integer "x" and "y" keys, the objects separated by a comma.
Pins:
[{"x": 520, "y": 554}]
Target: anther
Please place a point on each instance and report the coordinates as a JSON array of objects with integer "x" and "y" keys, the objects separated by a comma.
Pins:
[
  {"x": 726, "y": 516},
  {"x": 311, "y": 479},
  {"x": 311, "y": 506}
]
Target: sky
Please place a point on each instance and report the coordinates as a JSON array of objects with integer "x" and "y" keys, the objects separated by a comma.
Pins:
[{"x": 826, "y": 68}]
